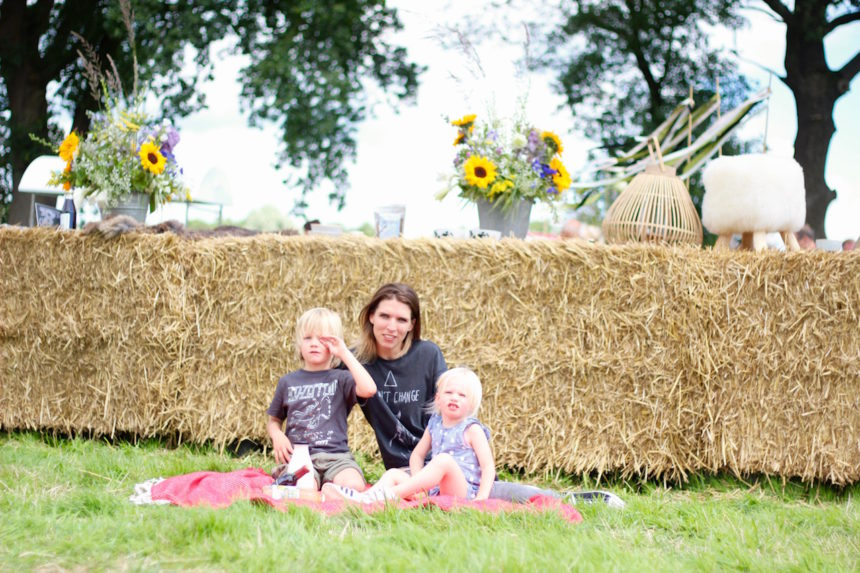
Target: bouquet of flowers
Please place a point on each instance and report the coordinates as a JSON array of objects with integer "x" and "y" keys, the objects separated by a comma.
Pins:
[
  {"x": 503, "y": 163},
  {"x": 123, "y": 152}
]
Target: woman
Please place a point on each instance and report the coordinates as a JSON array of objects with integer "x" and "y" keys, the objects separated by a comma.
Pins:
[{"x": 405, "y": 369}]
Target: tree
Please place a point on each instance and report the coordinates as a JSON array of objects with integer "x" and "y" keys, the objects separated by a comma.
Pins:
[
  {"x": 624, "y": 65},
  {"x": 816, "y": 88},
  {"x": 310, "y": 63},
  {"x": 38, "y": 50}
]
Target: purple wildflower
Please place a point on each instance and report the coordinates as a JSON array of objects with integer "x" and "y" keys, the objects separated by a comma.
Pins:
[
  {"x": 171, "y": 141},
  {"x": 542, "y": 169}
]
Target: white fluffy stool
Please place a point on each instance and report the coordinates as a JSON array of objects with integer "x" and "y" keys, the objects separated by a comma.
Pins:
[{"x": 753, "y": 195}]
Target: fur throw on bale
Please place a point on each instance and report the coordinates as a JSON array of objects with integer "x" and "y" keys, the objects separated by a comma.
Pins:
[
  {"x": 122, "y": 224},
  {"x": 754, "y": 192}
]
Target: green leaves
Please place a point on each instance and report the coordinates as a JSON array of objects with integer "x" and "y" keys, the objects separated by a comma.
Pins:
[
  {"x": 312, "y": 66},
  {"x": 626, "y": 65}
]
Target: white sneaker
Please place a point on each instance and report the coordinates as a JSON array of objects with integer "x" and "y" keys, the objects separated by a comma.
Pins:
[
  {"x": 610, "y": 499},
  {"x": 376, "y": 494},
  {"x": 343, "y": 493}
]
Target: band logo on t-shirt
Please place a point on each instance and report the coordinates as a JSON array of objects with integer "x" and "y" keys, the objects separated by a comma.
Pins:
[{"x": 312, "y": 391}]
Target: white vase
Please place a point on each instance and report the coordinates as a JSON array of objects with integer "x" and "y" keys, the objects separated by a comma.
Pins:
[
  {"x": 135, "y": 205},
  {"x": 513, "y": 221},
  {"x": 302, "y": 458}
]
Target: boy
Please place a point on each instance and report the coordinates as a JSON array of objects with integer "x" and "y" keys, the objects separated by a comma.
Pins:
[{"x": 316, "y": 400}]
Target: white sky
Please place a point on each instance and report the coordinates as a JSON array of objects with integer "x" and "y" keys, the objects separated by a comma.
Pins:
[{"x": 403, "y": 158}]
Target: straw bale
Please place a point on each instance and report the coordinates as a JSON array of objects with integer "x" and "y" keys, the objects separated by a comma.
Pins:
[{"x": 641, "y": 360}]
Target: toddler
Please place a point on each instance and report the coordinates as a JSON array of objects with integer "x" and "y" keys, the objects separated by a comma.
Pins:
[{"x": 462, "y": 463}]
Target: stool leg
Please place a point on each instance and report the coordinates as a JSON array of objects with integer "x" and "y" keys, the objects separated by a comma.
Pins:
[
  {"x": 723, "y": 243},
  {"x": 747, "y": 241},
  {"x": 759, "y": 241},
  {"x": 790, "y": 241}
]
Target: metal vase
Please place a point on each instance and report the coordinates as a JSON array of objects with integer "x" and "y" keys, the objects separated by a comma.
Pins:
[
  {"x": 509, "y": 222},
  {"x": 134, "y": 205}
]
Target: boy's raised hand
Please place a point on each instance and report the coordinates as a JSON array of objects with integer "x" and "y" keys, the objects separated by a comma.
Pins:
[
  {"x": 365, "y": 387},
  {"x": 335, "y": 345}
]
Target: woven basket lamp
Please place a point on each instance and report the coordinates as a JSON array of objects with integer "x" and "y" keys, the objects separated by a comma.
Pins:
[{"x": 655, "y": 207}]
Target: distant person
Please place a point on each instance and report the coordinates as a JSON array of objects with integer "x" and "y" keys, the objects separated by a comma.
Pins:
[
  {"x": 849, "y": 245},
  {"x": 462, "y": 463},
  {"x": 571, "y": 230},
  {"x": 309, "y": 225},
  {"x": 806, "y": 238},
  {"x": 316, "y": 400}
]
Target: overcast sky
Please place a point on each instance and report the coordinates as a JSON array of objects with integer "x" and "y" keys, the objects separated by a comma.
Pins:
[{"x": 403, "y": 158}]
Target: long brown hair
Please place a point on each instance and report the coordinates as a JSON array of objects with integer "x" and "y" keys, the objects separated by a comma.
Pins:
[{"x": 365, "y": 349}]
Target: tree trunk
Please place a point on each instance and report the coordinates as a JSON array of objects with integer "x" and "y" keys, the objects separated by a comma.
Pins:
[
  {"x": 816, "y": 89},
  {"x": 29, "y": 108},
  {"x": 26, "y": 89}
]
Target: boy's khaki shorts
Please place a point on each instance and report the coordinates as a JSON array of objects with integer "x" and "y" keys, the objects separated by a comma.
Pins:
[{"x": 327, "y": 465}]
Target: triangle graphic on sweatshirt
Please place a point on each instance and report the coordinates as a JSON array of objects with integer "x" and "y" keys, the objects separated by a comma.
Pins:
[{"x": 390, "y": 381}]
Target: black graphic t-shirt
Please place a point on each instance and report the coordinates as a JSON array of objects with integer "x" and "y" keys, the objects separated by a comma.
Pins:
[
  {"x": 398, "y": 412},
  {"x": 315, "y": 406}
]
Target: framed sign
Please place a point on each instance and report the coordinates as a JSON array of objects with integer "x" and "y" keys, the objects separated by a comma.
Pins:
[{"x": 46, "y": 216}]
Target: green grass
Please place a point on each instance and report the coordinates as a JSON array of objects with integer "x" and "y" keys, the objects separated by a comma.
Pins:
[{"x": 64, "y": 506}]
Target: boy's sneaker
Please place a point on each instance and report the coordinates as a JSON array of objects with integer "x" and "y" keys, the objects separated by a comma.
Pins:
[
  {"x": 610, "y": 499},
  {"x": 334, "y": 491}
]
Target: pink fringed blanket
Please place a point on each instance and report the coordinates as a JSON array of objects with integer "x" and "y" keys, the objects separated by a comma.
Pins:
[{"x": 218, "y": 489}]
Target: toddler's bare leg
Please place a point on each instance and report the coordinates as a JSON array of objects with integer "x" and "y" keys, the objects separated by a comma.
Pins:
[{"x": 442, "y": 471}]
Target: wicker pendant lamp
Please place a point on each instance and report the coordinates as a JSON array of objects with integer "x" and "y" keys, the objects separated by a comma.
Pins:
[{"x": 655, "y": 207}]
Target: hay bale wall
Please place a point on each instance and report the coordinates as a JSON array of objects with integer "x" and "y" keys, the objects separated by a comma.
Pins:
[{"x": 643, "y": 360}]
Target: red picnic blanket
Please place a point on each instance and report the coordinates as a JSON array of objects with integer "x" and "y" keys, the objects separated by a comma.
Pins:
[{"x": 218, "y": 489}]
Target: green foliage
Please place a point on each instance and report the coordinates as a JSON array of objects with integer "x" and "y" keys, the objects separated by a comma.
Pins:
[
  {"x": 313, "y": 66},
  {"x": 366, "y": 229},
  {"x": 267, "y": 219},
  {"x": 64, "y": 505},
  {"x": 623, "y": 67},
  {"x": 311, "y": 61},
  {"x": 38, "y": 50}
]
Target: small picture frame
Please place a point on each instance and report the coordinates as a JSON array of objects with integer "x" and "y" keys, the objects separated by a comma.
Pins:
[
  {"x": 484, "y": 234},
  {"x": 47, "y": 216}
]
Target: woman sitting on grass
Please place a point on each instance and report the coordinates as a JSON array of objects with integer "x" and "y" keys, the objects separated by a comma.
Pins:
[{"x": 462, "y": 464}]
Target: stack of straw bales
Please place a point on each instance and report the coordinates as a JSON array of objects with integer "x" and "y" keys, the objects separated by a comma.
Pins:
[{"x": 639, "y": 360}]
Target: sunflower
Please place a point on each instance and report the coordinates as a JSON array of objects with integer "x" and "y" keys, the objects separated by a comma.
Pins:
[
  {"x": 68, "y": 147},
  {"x": 461, "y": 137},
  {"x": 561, "y": 177},
  {"x": 464, "y": 121},
  {"x": 151, "y": 158},
  {"x": 552, "y": 141},
  {"x": 480, "y": 171}
]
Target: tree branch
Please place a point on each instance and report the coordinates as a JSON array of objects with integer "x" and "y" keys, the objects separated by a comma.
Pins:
[
  {"x": 768, "y": 13},
  {"x": 841, "y": 20},
  {"x": 849, "y": 70},
  {"x": 759, "y": 65},
  {"x": 780, "y": 9}
]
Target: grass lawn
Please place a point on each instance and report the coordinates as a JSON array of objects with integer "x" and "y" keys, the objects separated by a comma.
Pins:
[{"x": 64, "y": 506}]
